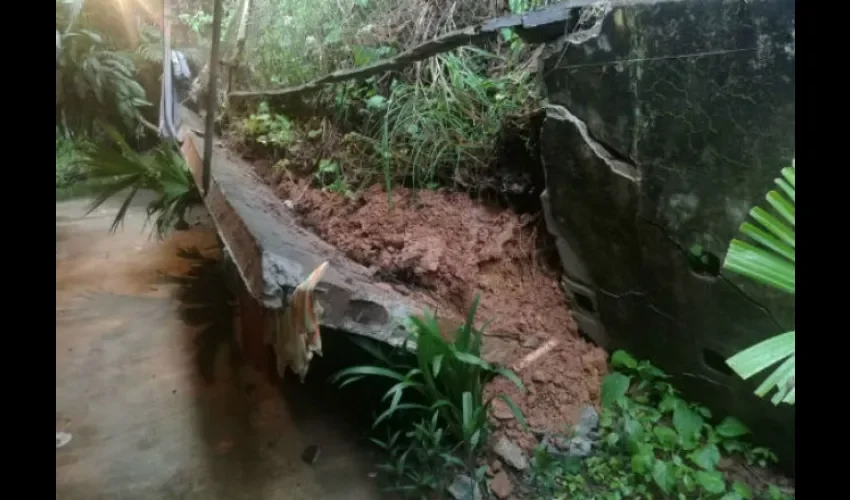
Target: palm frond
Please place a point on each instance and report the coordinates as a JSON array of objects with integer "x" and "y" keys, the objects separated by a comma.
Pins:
[
  {"x": 771, "y": 260},
  {"x": 121, "y": 169}
]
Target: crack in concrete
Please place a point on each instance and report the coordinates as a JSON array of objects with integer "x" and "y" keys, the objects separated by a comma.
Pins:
[
  {"x": 608, "y": 155},
  {"x": 640, "y": 295},
  {"x": 722, "y": 278},
  {"x": 703, "y": 378}
]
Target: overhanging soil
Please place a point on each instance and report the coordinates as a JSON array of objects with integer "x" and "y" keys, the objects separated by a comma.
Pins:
[{"x": 441, "y": 249}]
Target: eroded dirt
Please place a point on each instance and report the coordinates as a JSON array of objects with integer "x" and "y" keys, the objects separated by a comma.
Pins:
[{"x": 443, "y": 248}]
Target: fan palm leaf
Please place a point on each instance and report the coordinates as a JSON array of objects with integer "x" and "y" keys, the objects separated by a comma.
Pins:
[
  {"x": 118, "y": 168},
  {"x": 769, "y": 259}
]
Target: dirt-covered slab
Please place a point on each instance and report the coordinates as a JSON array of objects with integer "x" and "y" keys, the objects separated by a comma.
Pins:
[
  {"x": 273, "y": 253},
  {"x": 392, "y": 256}
]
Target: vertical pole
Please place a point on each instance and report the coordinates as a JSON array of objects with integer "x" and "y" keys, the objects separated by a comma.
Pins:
[{"x": 212, "y": 98}]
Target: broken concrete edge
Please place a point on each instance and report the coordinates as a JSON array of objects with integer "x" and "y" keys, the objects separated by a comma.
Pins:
[
  {"x": 619, "y": 167},
  {"x": 256, "y": 235}
]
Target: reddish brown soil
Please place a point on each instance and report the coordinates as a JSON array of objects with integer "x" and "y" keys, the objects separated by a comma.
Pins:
[{"x": 442, "y": 249}]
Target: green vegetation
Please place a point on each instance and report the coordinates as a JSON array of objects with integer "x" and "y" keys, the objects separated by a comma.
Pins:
[
  {"x": 771, "y": 261},
  {"x": 70, "y": 165},
  {"x": 654, "y": 445},
  {"x": 444, "y": 131},
  {"x": 100, "y": 105},
  {"x": 119, "y": 169},
  {"x": 434, "y": 123},
  {"x": 440, "y": 396},
  {"x": 95, "y": 83}
]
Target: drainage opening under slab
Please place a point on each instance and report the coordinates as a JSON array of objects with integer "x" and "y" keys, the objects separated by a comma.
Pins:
[
  {"x": 716, "y": 362},
  {"x": 703, "y": 263},
  {"x": 584, "y": 302}
]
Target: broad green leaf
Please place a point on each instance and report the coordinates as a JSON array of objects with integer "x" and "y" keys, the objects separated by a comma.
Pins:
[
  {"x": 782, "y": 206},
  {"x": 665, "y": 435},
  {"x": 664, "y": 475},
  {"x": 668, "y": 404},
  {"x": 761, "y": 356},
  {"x": 706, "y": 457},
  {"x": 768, "y": 241},
  {"x": 775, "y": 226},
  {"x": 711, "y": 481},
  {"x": 742, "y": 489},
  {"x": 761, "y": 265},
  {"x": 376, "y": 102},
  {"x": 614, "y": 387},
  {"x": 641, "y": 462},
  {"x": 622, "y": 359},
  {"x": 731, "y": 427},
  {"x": 686, "y": 421},
  {"x": 790, "y": 173},
  {"x": 633, "y": 429},
  {"x": 436, "y": 363},
  {"x": 786, "y": 188}
]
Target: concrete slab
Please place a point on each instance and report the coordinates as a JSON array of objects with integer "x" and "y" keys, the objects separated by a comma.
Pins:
[{"x": 273, "y": 253}]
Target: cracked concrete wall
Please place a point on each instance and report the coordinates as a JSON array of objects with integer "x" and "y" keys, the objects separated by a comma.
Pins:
[{"x": 666, "y": 121}]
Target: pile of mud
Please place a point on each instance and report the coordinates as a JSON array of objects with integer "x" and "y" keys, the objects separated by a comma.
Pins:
[{"x": 441, "y": 249}]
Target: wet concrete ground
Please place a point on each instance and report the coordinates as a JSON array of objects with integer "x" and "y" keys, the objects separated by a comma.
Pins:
[{"x": 155, "y": 409}]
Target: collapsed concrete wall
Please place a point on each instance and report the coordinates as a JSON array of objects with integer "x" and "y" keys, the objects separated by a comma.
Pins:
[{"x": 667, "y": 120}]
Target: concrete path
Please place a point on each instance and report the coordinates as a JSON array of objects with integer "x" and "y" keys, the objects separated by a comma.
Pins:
[{"x": 152, "y": 392}]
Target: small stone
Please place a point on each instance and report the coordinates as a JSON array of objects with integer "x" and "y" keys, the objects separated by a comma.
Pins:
[
  {"x": 464, "y": 488},
  {"x": 62, "y": 438},
  {"x": 501, "y": 410},
  {"x": 311, "y": 454},
  {"x": 561, "y": 381},
  {"x": 560, "y": 443},
  {"x": 510, "y": 453},
  {"x": 289, "y": 204},
  {"x": 588, "y": 422},
  {"x": 580, "y": 447},
  {"x": 531, "y": 342},
  {"x": 540, "y": 377},
  {"x": 501, "y": 486}
]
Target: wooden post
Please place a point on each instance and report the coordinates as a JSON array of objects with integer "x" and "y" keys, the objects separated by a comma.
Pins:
[{"x": 212, "y": 98}]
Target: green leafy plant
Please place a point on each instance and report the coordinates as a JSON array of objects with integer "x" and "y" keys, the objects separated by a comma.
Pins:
[
  {"x": 769, "y": 259},
  {"x": 442, "y": 391},
  {"x": 331, "y": 176},
  {"x": 118, "y": 168},
  {"x": 653, "y": 444},
  {"x": 420, "y": 459},
  {"x": 270, "y": 129},
  {"x": 445, "y": 129},
  {"x": 95, "y": 83},
  {"x": 70, "y": 160}
]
